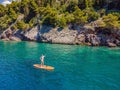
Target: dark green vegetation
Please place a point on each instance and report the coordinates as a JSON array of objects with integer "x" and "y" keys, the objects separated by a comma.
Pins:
[{"x": 60, "y": 13}]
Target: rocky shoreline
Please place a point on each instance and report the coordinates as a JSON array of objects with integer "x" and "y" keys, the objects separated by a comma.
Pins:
[{"x": 81, "y": 35}]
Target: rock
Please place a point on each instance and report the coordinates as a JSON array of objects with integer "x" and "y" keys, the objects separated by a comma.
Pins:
[
  {"x": 32, "y": 34},
  {"x": 80, "y": 39},
  {"x": 88, "y": 44},
  {"x": 64, "y": 36},
  {"x": 6, "y": 34},
  {"x": 93, "y": 39},
  {"x": 103, "y": 39},
  {"x": 3, "y": 36},
  {"x": 117, "y": 42},
  {"x": 19, "y": 34},
  {"x": 63, "y": 40},
  {"x": 83, "y": 35},
  {"x": 13, "y": 38},
  {"x": 6, "y": 39},
  {"x": 111, "y": 44}
]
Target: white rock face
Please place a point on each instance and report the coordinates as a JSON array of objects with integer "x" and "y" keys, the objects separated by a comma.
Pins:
[
  {"x": 58, "y": 35},
  {"x": 6, "y": 2},
  {"x": 32, "y": 34}
]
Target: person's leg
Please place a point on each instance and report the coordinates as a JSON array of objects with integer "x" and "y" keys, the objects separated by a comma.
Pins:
[{"x": 42, "y": 62}]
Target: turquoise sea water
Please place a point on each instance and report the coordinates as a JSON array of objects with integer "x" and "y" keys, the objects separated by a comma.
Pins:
[{"x": 76, "y": 67}]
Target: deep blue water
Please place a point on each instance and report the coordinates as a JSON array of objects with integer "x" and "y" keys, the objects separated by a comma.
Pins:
[{"x": 76, "y": 67}]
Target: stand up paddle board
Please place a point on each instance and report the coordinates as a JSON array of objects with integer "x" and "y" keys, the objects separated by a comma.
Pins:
[{"x": 43, "y": 67}]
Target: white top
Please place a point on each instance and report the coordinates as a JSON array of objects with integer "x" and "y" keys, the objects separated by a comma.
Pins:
[{"x": 42, "y": 57}]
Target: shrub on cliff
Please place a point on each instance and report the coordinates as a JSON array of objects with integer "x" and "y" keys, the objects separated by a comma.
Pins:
[
  {"x": 14, "y": 27},
  {"x": 8, "y": 19},
  {"x": 5, "y": 21},
  {"x": 72, "y": 6},
  {"x": 61, "y": 22},
  {"x": 49, "y": 16},
  {"x": 22, "y": 25},
  {"x": 111, "y": 21},
  {"x": 79, "y": 16},
  {"x": 91, "y": 14},
  {"x": 69, "y": 17},
  {"x": 2, "y": 10},
  {"x": 33, "y": 22},
  {"x": 12, "y": 14}
]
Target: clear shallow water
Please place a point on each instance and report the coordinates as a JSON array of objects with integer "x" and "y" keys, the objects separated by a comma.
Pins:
[{"x": 76, "y": 67}]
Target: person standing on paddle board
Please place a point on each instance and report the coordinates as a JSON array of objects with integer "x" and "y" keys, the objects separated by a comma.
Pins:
[{"x": 42, "y": 59}]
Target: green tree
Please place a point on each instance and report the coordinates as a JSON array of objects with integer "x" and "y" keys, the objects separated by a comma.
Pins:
[
  {"x": 12, "y": 14},
  {"x": 5, "y": 22},
  {"x": 2, "y": 10},
  {"x": 91, "y": 14},
  {"x": 79, "y": 17},
  {"x": 111, "y": 21},
  {"x": 25, "y": 7},
  {"x": 61, "y": 22},
  {"x": 22, "y": 25},
  {"x": 71, "y": 6},
  {"x": 50, "y": 16},
  {"x": 69, "y": 17}
]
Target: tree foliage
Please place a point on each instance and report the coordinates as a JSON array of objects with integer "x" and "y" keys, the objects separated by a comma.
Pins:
[
  {"x": 60, "y": 12},
  {"x": 111, "y": 21}
]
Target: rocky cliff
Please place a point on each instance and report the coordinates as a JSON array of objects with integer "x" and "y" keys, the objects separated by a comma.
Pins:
[{"x": 82, "y": 35}]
